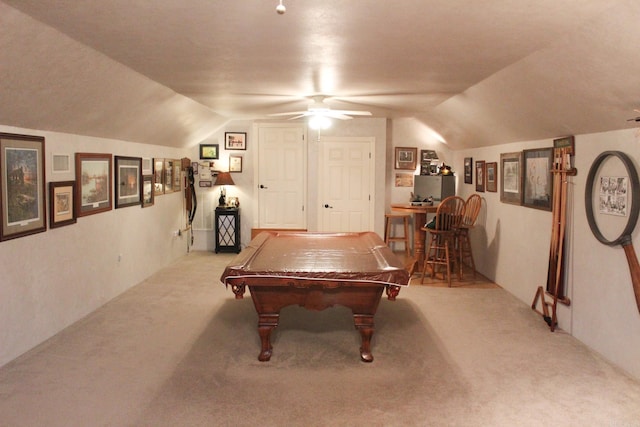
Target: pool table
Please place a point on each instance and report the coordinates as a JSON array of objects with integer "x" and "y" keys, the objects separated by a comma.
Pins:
[{"x": 316, "y": 271}]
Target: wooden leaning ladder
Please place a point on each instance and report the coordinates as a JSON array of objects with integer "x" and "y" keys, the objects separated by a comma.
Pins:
[{"x": 563, "y": 150}]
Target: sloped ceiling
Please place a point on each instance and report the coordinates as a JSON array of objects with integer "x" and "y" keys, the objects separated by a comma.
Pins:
[{"x": 172, "y": 72}]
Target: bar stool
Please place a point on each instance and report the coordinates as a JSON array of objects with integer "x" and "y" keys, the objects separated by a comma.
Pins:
[
  {"x": 471, "y": 210},
  {"x": 442, "y": 235},
  {"x": 388, "y": 238}
]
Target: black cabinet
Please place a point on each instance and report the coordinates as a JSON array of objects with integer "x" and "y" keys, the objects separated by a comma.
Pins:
[{"x": 227, "y": 229}]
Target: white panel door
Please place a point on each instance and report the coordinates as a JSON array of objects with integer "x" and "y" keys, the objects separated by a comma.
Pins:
[
  {"x": 345, "y": 184},
  {"x": 282, "y": 176}
]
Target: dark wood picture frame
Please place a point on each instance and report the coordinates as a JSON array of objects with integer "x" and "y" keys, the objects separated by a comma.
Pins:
[
  {"x": 94, "y": 171},
  {"x": 61, "y": 203},
  {"x": 235, "y": 141},
  {"x": 511, "y": 178},
  {"x": 158, "y": 177},
  {"x": 537, "y": 178},
  {"x": 22, "y": 190},
  {"x": 406, "y": 158},
  {"x": 491, "y": 173},
  {"x": 209, "y": 151},
  {"x": 167, "y": 176},
  {"x": 147, "y": 190},
  {"x": 468, "y": 170},
  {"x": 127, "y": 176},
  {"x": 480, "y": 176},
  {"x": 235, "y": 163}
]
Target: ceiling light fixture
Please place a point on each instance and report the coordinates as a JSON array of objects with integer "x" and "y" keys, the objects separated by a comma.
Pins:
[
  {"x": 319, "y": 121},
  {"x": 281, "y": 9}
]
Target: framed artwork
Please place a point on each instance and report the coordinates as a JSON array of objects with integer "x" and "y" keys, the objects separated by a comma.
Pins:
[
  {"x": 168, "y": 176},
  {"x": 235, "y": 163},
  {"x": 426, "y": 156},
  {"x": 127, "y": 181},
  {"x": 22, "y": 191},
  {"x": 404, "y": 179},
  {"x": 511, "y": 182},
  {"x": 406, "y": 158},
  {"x": 480, "y": 176},
  {"x": 147, "y": 166},
  {"x": 492, "y": 176},
  {"x": 235, "y": 141},
  {"x": 194, "y": 166},
  {"x": 61, "y": 204},
  {"x": 468, "y": 170},
  {"x": 205, "y": 183},
  {"x": 93, "y": 183},
  {"x": 538, "y": 180},
  {"x": 209, "y": 151},
  {"x": 177, "y": 167},
  {"x": 147, "y": 190},
  {"x": 158, "y": 177}
]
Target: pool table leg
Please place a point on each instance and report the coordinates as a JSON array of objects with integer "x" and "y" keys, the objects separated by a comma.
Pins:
[
  {"x": 266, "y": 324},
  {"x": 364, "y": 324}
]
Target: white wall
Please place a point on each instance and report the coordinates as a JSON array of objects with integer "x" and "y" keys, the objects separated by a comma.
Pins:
[
  {"x": 511, "y": 246},
  {"x": 244, "y": 189},
  {"x": 50, "y": 280}
]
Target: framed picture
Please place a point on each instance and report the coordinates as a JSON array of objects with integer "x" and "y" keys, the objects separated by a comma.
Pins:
[
  {"x": 194, "y": 166},
  {"x": 209, "y": 151},
  {"x": 158, "y": 177},
  {"x": 492, "y": 176},
  {"x": 538, "y": 181},
  {"x": 205, "y": 183},
  {"x": 61, "y": 204},
  {"x": 235, "y": 163},
  {"x": 426, "y": 156},
  {"x": 127, "y": 181},
  {"x": 404, "y": 179},
  {"x": 22, "y": 192},
  {"x": 235, "y": 141},
  {"x": 168, "y": 176},
  {"x": 93, "y": 183},
  {"x": 511, "y": 182},
  {"x": 406, "y": 158},
  {"x": 468, "y": 170},
  {"x": 480, "y": 176},
  {"x": 147, "y": 190},
  {"x": 177, "y": 167},
  {"x": 147, "y": 166}
]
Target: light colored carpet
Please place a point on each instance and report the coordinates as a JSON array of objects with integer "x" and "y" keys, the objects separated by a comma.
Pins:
[{"x": 179, "y": 350}]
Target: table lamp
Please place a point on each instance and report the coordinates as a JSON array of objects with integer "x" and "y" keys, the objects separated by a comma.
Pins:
[{"x": 223, "y": 178}]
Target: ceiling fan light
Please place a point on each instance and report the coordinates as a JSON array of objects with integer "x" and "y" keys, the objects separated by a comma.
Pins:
[{"x": 318, "y": 121}]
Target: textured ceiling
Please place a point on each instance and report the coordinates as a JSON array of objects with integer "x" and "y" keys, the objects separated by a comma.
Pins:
[{"x": 173, "y": 72}]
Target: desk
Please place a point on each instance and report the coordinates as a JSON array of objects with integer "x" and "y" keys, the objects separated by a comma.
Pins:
[
  {"x": 316, "y": 271},
  {"x": 419, "y": 220}
]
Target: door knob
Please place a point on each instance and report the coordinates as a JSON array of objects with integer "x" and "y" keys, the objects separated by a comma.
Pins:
[
  {"x": 327, "y": 206},
  {"x": 262, "y": 186}
]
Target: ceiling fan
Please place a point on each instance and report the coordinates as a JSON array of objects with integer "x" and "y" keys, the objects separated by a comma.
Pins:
[{"x": 319, "y": 110}]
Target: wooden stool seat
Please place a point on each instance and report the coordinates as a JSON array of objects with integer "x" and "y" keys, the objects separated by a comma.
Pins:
[{"x": 388, "y": 238}]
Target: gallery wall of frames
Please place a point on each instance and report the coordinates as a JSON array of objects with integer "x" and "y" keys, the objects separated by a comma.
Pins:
[{"x": 103, "y": 181}]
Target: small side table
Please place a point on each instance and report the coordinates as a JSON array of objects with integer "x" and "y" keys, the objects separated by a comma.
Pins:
[{"x": 227, "y": 229}]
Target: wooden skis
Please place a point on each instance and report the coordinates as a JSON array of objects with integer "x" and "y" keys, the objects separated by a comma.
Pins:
[{"x": 563, "y": 150}]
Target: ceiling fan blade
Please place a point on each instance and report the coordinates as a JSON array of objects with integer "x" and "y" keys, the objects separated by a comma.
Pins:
[
  {"x": 353, "y": 113},
  {"x": 298, "y": 117},
  {"x": 337, "y": 115},
  {"x": 290, "y": 113}
]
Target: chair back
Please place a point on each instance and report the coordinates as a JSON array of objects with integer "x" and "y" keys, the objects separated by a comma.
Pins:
[
  {"x": 471, "y": 210},
  {"x": 449, "y": 213}
]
